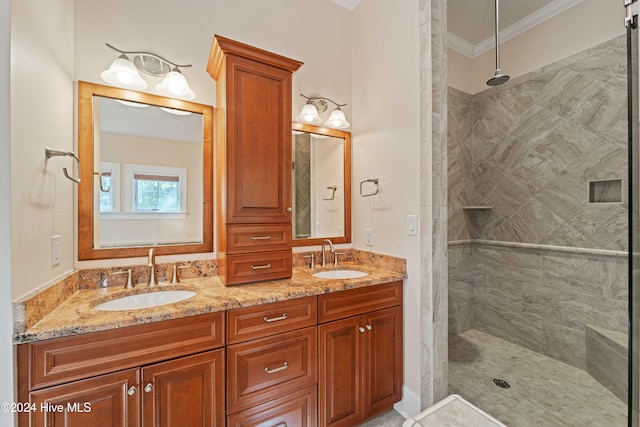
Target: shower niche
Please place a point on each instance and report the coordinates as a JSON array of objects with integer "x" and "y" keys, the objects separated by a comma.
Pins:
[{"x": 605, "y": 191}]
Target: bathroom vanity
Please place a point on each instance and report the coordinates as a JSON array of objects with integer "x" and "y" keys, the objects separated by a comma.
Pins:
[{"x": 304, "y": 351}]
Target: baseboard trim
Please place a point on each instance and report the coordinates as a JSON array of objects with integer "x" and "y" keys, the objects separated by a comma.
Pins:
[{"x": 409, "y": 406}]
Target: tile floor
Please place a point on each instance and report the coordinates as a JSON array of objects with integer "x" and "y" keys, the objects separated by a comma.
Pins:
[
  {"x": 544, "y": 391},
  {"x": 388, "y": 419}
]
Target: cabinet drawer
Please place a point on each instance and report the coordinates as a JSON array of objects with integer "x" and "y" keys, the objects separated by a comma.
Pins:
[
  {"x": 258, "y": 238},
  {"x": 258, "y": 266},
  {"x": 268, "y": 368},
  {"x": 268, "y": 319},
  {"x": 338, "y": 305},
  {"x": 64, "y": 359},
  {"x": 298, "y": 409}
]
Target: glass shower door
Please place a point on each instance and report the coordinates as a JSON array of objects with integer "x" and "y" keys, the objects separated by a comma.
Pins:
[{"x": 634, "y": 210}]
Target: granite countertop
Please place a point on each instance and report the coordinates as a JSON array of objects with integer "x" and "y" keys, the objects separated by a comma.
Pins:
[{"x": 77, "y": 315}]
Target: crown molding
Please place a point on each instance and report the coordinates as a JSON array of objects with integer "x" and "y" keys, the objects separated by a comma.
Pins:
[
  {"x": 347, "y": 4},
  {"x": 525, "y": 24}
]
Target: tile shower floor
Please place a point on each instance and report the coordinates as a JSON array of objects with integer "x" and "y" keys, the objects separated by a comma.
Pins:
[{"x": 544, "y": 391}]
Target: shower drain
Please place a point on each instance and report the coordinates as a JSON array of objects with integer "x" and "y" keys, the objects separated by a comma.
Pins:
[{"x": 501, "y": 383}]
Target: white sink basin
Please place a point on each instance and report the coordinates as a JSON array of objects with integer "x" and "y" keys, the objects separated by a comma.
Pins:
[
  {"x": 340, "y": 274},
  {"x": 148, "y": 300}
]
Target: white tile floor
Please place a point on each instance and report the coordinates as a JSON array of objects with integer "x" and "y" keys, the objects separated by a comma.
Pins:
[{"x": 544, "y": 391}]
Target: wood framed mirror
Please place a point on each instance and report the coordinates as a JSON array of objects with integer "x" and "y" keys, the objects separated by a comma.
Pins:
[
  {"x": 321, "y": 183},
  {"x": 146, "y": 180}
]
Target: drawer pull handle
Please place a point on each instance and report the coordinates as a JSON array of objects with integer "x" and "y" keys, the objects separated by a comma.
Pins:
[
  {"x": 368, "y": 327},
  {"x": 360, "y": 328},
  {"x": 260, "y": 267},
  {"x": 148, "y": 388},
  {"x": 274, "y": 370},
  {"x": 275, "y": 319},
  {"x": 260, "y": 237},
  {"x": 283, "y": 424},
  {"x": 132, "y": 390}
]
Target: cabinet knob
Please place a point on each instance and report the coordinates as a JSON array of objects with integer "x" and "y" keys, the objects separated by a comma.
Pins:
[
  {"x": 289, "y": 209},
  {"x": 360, "y": 328},
  {"x": 148, "y": 388},
  {"x": 132, "y": 390},
  {"x": 368, "y": 327}
]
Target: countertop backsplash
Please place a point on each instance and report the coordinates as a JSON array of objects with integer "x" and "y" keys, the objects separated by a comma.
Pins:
[{"x": 66, "y": 307}]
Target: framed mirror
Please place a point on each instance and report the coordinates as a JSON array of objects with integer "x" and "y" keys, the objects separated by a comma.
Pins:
[
  {"x": 146, "y": 180},
  {"x": 321, "y": 183}
]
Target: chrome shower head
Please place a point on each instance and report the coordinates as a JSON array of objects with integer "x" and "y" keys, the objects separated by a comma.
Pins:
[{"x": 498, "y": 79}]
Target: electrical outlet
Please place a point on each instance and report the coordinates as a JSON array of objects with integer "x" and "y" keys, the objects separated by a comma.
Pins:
[
  {"x": 55, "y": 250},
  {"x": 369, "y": 233}
]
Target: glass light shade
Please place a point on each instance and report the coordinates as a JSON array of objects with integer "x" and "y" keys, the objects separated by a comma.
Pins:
[
  {"x": 122, "y": 73},
  {"x": 176, "y": 112},
  {"x": 337, "y": 120},
  {"x": 175, "y": 85},
  {"x": 309, "y": 114}
]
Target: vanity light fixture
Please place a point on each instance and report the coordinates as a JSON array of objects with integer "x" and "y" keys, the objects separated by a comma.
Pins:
[
  {"x": 123, "y": 73},
  {"x": 315, "y": 105}
]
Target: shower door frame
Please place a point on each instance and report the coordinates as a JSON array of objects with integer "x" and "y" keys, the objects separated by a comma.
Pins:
[{"x": 633, "y": 116}]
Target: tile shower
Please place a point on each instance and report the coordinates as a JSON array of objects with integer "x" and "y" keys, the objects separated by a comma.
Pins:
[{"x": 543, "y": 261}]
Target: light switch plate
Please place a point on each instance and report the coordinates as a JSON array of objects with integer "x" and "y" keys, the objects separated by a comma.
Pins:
[
  {"x": 369, "y": 234},
  {"x": 55, "y": 250},
  {"x": 412, "y": 225}
]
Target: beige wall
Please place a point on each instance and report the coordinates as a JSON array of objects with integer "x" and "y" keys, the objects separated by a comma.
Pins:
[
  {"x": 585, "y": 25},
  {"x": 6, "y": 323},
  {"x": 386, "y": 145},
  {"x": 41, "y": 116}
]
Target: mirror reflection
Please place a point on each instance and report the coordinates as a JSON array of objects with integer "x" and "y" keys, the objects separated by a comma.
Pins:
[
  {"x": 151, "y": 160},
  {"x": 321, "y": 185}
]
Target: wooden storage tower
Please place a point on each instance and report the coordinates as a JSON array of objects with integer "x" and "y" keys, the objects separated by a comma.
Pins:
[{"x": 253, "y": 161}]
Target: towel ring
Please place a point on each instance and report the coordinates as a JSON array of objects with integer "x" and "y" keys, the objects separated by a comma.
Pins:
[
  {"x": 373, "y": 181},
  {"x": 53, "y": 153}
]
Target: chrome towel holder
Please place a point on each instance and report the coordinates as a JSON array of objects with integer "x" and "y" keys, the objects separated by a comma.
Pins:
[
  {"x": 333, "y": 189},
  {"x": 373, "y": 181},
  {"x": 54, "y": 153}
]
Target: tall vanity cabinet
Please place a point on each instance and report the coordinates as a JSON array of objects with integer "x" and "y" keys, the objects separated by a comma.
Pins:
[{"x": 253, "y": 161}]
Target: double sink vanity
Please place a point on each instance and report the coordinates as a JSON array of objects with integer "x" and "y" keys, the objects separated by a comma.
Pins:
[
  {"x": 304, "y": 351},
  {"x": 289, "y": 344}
]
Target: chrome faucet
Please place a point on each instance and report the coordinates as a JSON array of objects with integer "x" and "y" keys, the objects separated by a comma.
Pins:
[
  {"x": 151, "y": 263},
  {"x": 324, "y": 263}
]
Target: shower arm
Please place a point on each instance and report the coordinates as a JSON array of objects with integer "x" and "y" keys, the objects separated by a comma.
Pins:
[{"x": 497, "y": 20}]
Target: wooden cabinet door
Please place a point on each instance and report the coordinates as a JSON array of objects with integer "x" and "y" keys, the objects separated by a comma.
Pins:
[
  {"x": 340, "y": 370},
  {"x": 110, "y": 400},
  {"x": 184, "y": 392},
  {"x": 258, "y": 142},
  {"x": 383, "y": 376}
]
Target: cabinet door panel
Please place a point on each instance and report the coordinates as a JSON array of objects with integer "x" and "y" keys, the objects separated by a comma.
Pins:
[
  {"x": 96, "y": 402},
  {"x": 259, "y": 142},
  {"x": 339, "y": 382},
  {"x": 298, "y": 409},
  {"x": 383, "y": 342},
  {"x": 185, "y": 392}
]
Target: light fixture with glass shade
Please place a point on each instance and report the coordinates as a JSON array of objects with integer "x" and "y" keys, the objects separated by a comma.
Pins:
[
  {"x": 315, "y": 105},
  {"x": 123, "y": 72}
]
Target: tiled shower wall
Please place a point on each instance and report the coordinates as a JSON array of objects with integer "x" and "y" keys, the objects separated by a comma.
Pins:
[{"x": 528, "y": 150}]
